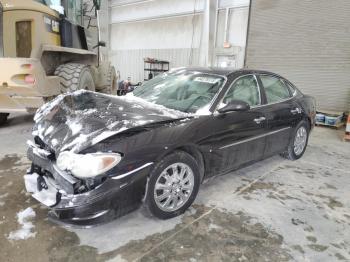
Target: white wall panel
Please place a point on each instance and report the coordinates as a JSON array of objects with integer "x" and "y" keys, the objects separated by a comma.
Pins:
[
  {"x": 167, "y": 29},
  {"x": 162, "y": 34},
  {"x": 130, "y": 62},
  {"x": 154, "y": 9}
]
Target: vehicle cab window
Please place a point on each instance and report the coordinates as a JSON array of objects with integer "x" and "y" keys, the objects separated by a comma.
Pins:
[
  {"x": 275, "y": 89},
  {"x": 246, "y": 89},
  {"x": 73, "y": 10}
]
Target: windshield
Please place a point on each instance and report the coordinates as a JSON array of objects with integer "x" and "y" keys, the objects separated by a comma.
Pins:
[{"x": 183, "y": 91}]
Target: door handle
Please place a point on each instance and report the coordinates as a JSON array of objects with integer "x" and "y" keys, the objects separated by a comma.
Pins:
[
  {"x": 297, "y": 110},
  {"x": 259, "y": 120}
]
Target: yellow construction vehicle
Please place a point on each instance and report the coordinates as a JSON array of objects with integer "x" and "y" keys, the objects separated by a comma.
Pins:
[{"x": 47, "y": 48}]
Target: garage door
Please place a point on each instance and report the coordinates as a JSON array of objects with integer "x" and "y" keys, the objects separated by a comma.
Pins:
[{"x": 308, "y": 42}]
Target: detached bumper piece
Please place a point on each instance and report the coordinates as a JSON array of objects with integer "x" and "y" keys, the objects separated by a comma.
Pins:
[
  {"x": 57, "y": 190},
  {"x": 41, "y": 189}
]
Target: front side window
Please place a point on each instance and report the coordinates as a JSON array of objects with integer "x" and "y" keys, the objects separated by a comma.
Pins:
[
  {"x": 275, "y": 89},
  {"x": 182, "y": 90},
  {"x": 246, "y": 89}
]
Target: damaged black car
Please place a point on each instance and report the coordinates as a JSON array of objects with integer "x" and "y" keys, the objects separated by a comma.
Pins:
[{"x": 96, "y": 157}]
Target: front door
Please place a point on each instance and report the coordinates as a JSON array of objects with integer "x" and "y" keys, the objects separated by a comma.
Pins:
[{"x": 237, "y": 138}]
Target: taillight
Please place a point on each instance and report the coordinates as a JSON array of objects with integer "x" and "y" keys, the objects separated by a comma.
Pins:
[
  {"x": 27, "y": 66},
  {"x": 23, "y": 79},
  {"x": 29, "y": 79}
]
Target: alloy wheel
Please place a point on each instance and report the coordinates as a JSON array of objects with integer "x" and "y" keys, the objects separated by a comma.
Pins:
[
  {"x": 300, "y": 140},
  {"x": 174, "y": 187}
]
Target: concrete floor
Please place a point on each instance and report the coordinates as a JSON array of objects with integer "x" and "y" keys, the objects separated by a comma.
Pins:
[{"x": 274, "y": 210}]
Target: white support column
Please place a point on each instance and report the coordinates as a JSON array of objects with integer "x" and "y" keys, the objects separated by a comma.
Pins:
[{"x": 206, "y": 56}]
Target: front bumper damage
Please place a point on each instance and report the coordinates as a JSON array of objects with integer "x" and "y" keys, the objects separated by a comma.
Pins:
[{"x": 56, "y": 190}]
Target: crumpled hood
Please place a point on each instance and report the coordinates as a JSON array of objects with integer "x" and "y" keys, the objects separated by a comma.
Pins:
[{"x": 81, "y": 119}]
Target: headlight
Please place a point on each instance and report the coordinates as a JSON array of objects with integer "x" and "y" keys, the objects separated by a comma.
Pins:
[{"x": 89, "y": 165}]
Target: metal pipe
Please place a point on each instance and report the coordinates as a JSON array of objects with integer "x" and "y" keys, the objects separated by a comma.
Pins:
[
  {"x": 247, "y": 36},
  {"x": 158, "y": 17},
  {"x": 226, "y": 24},
  {"x": 130, "y": 3}
]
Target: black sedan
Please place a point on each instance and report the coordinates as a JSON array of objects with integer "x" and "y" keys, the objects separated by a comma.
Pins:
[{"x": 96, "y": 157}]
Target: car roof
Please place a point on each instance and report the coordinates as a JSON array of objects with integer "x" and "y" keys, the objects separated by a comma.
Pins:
[{"x": 227, "y": 71}]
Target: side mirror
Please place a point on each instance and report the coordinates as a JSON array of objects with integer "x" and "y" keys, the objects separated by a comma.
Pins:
[{"x": 235, "y": 105}]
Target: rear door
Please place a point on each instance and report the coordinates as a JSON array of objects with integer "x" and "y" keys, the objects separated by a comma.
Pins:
[
  {"x": 281, "y": 112},
  {"x": 237, "y": 138}
]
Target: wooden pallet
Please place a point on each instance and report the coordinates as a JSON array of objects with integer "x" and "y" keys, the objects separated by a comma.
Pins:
[{"x": 337, "y": 126}]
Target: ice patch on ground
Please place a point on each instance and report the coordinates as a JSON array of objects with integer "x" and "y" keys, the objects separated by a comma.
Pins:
[
  {"x": 2, "y": 203},
  {"x": 213, "y": 226},
  {"x": 23, "y": 218}
]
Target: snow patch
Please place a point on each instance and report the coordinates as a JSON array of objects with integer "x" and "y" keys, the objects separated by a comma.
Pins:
[
  {"x": 213, "y": 226},
  {"x": 49, "y": 130},
  {"x": 54, "y": 142},
  {"x": 88, "y": 111},
  {"x": 104, "y": 135},
  {"x": 23, "y": 218},
  {"x": 74, "y": 125},
  {"x": 2, "y": 203}
]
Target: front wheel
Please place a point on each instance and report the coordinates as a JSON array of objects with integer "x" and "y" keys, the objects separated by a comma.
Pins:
[
  {"x": 173, "y": 185},
  {"x": 298, "y": 143}
]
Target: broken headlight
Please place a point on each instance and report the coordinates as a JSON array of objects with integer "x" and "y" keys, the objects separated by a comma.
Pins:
[{"x": 88, "y": 165}]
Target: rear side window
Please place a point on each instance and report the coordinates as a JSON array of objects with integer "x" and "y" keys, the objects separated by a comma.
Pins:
[{"x": 275, "y": 89}]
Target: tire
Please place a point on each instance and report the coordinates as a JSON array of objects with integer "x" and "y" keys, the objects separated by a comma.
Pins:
[
  {"x": 180, "y": 161},
  {"x": 291, "y": 153},
  {"x": 75, "y": 77},
  {"x": 112, "y": 81},
  {"x": 3, "y": 118}
]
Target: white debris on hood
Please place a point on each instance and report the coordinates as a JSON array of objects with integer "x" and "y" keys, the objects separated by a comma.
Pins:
[
  {"x": 76, "y": 120},
  {"x": 49, "y": 130},
  {"x": 87, "y": 111},
  {"x": 23, "y": 218},
  {"x": 74, "y": 125},
  {"x": 105, "y": 135},
  {"x": 46, "y": 108},
  {"x": 141, "y": 103},
  {"x": 54, "y": 142},
  {"x": 81, "y": 139}
]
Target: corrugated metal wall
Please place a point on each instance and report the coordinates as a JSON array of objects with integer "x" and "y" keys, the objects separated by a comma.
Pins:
[{"x": 308, "y": 42}]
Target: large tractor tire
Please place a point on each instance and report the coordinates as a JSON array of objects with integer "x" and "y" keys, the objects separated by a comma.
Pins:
[
  {"x": 112, "y": 81},
  {"x": 3, "y": 118},
  {"x": 75, "y": 77}
]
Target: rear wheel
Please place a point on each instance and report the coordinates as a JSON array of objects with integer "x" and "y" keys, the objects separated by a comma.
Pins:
[
  {"x": 173, "y": 185},
  {"x": 298, "y": 143},
  {"x": 3, "y": 118},
  {"x": 75, "y": 77}
]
